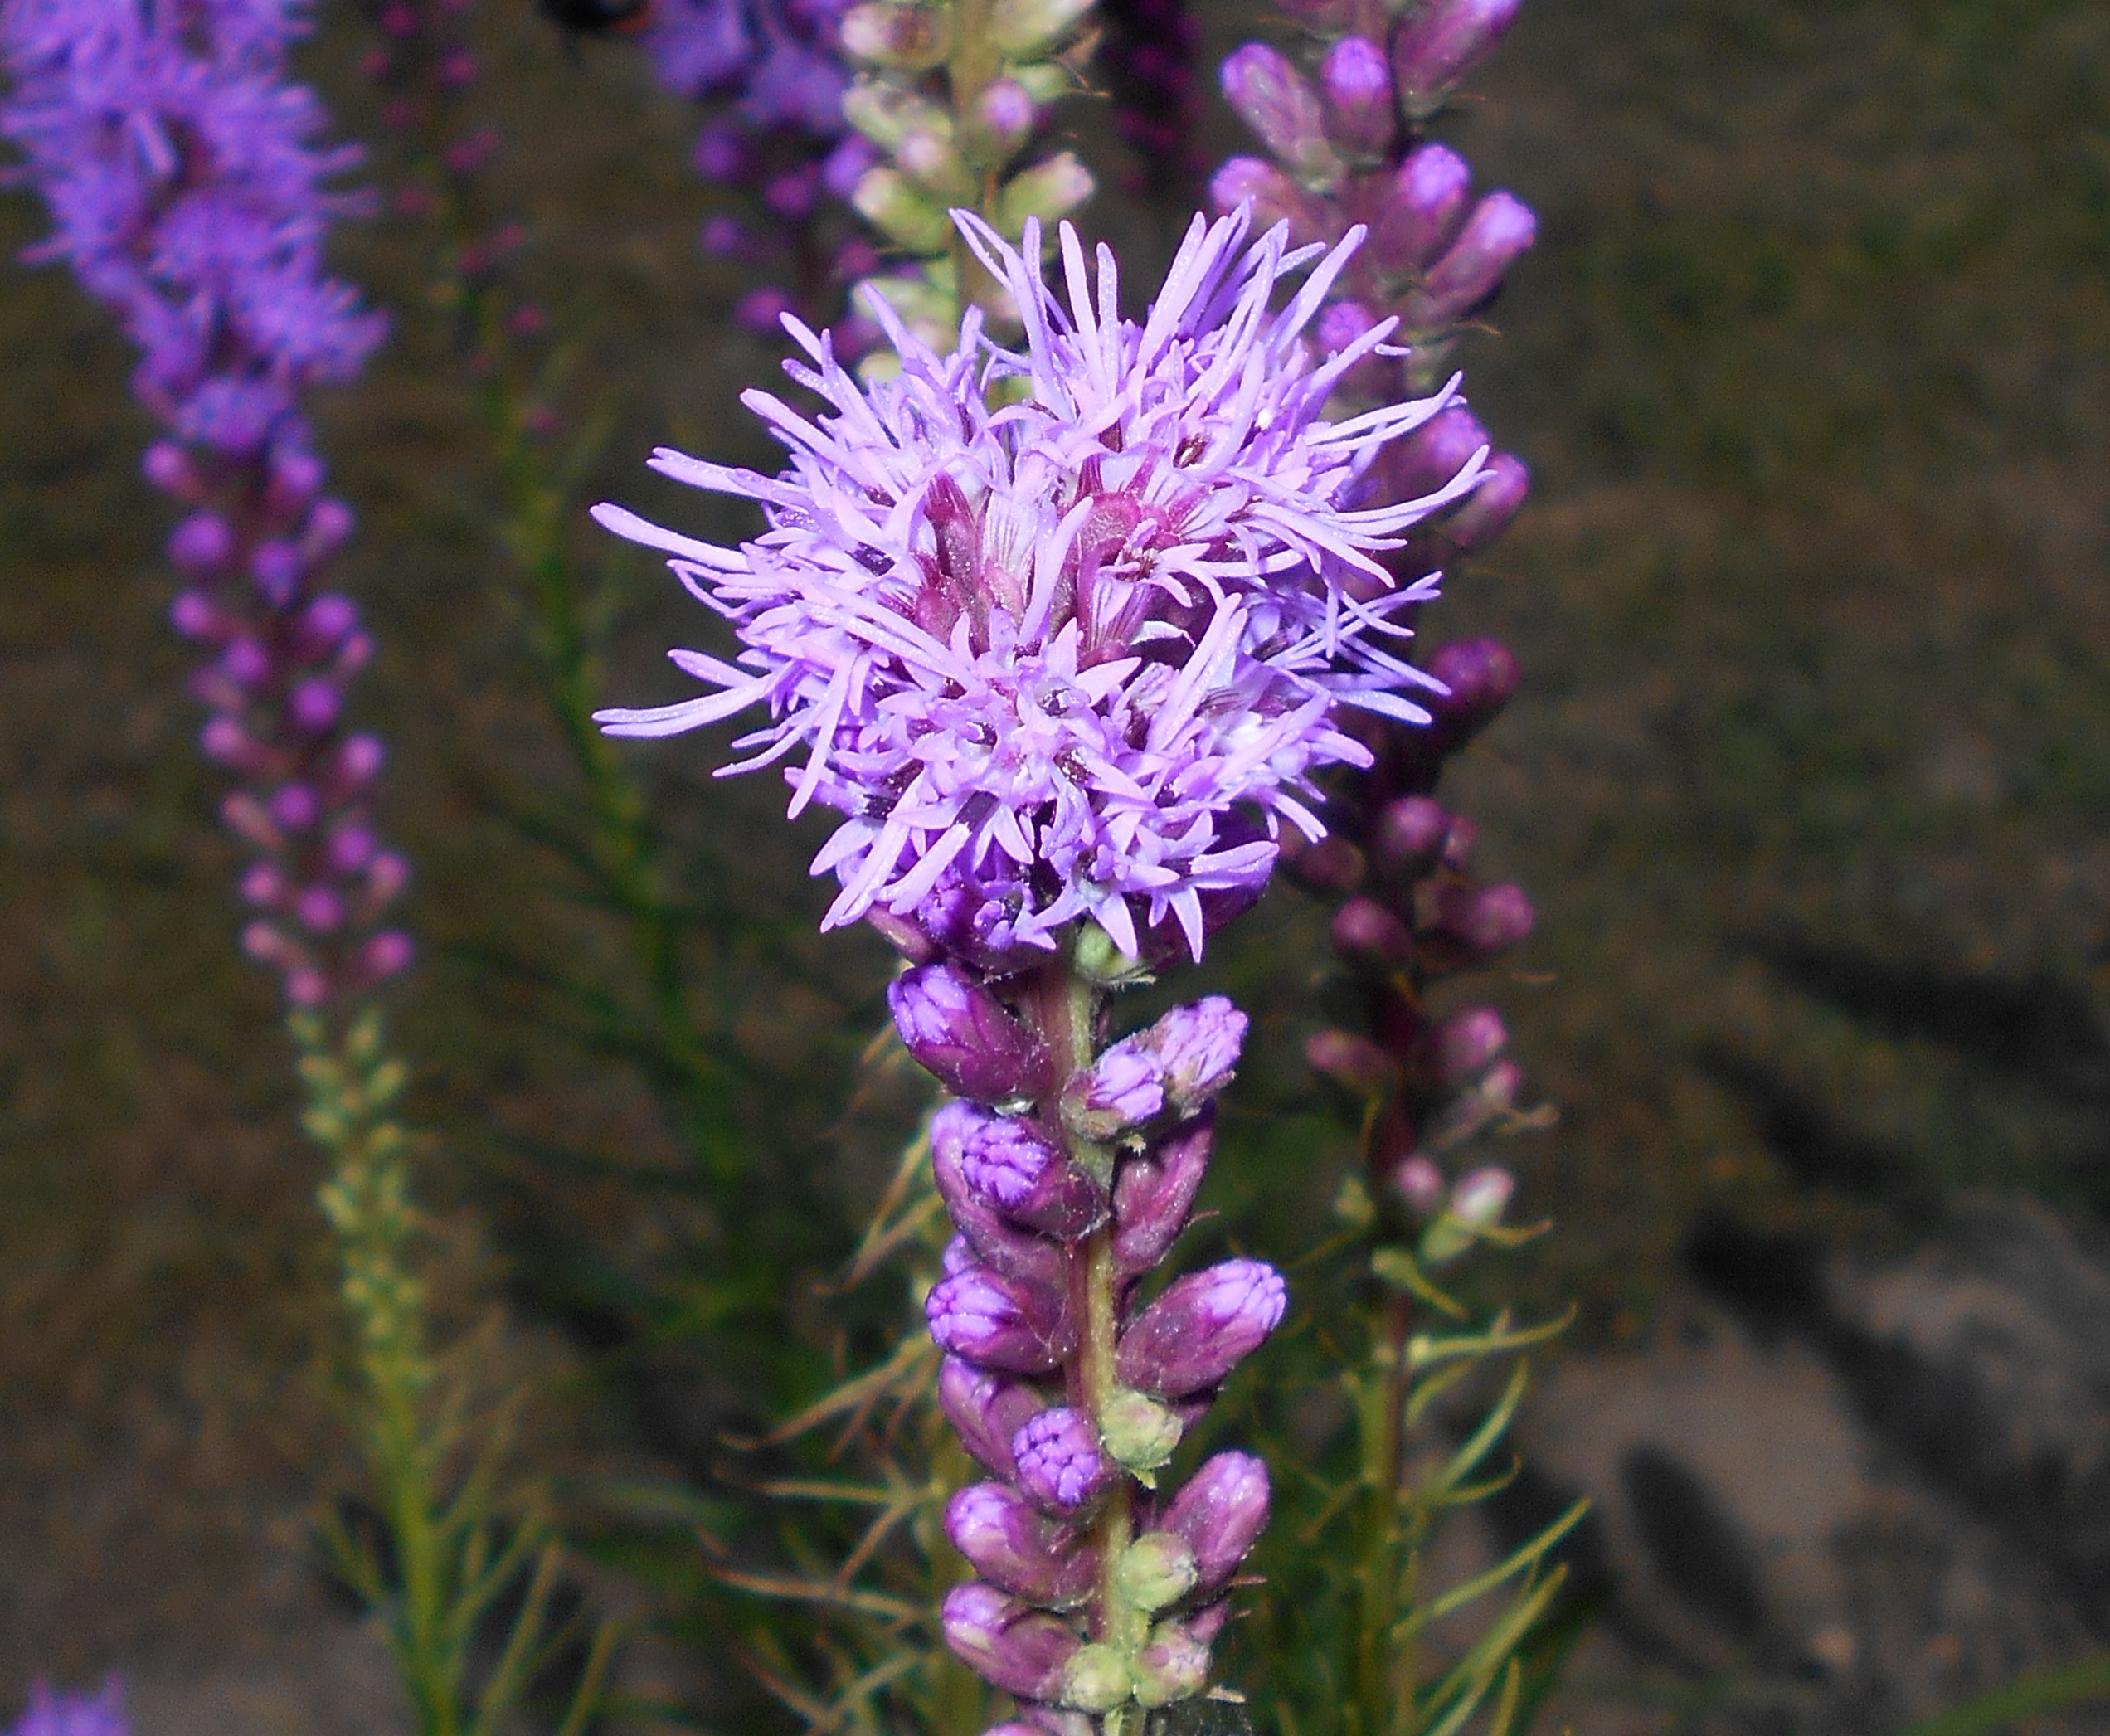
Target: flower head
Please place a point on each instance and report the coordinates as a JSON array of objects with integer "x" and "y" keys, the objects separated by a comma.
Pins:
[{"x": 1060, "y": 629}]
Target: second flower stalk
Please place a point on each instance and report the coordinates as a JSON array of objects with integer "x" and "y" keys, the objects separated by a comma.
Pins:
[{"x": 1069, "y": 1169}]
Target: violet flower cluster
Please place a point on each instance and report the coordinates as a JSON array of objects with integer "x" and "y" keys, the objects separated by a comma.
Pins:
[
  {"x": 1062, "y": 632},
  {"x": 187, "y": 194},
  {"x": 773, "y": 73},
  {"x": 1097, "y": 1584},
  {"x": 58, "y": 1713},
  {"x": 1349, "y": 149}
]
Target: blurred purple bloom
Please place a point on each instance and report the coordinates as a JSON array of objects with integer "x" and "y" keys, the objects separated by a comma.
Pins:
[
  {"x": 1054, "y": 647},
  {"x": 57, "y": 1712}
]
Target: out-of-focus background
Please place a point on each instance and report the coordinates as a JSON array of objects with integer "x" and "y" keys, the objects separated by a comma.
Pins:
[{"x": 1808, "y": 779}]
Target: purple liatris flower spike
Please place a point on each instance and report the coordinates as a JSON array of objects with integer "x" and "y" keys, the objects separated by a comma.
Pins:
[
  {"x": 54, "y": 1712},
  {"x": 1049, "y": 625}
]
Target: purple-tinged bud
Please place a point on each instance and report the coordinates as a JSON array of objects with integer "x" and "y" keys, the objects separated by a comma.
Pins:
[
  {"x": 262, "y": 883},
  {"x": 1408, "y": 836},
  {"x": 1275, "y": 199},
  {"x": 457, "y": 71},
  {"x": 1352, "y": 1062},
  {"x": 245, "y": 662},
  {"x": 1481, "y": 674},
  {"x": 295, "y": 808},
  {"x": 905, "y": 935},
  {"x": 1278, "y": 103},
  {"x": 1341, "y": 323},
  {"x": 1009, "y": 1644},
  {"x": 201, "y": 546},
  {"x": 195, "y": 616},
  {"x": 314, "y": 704},
  {"x": 351, "y": 848},
  {"x": 1016, "y": 1551},
  {"x": 791, "y": 195},
  {"x": 1154, "y": 1194},
  {"x": 1437, "y": 451},
  {"x": 724, "y": 237},
  {"x": 1328, "y": 869},
  {"x": 1484, "y": 920},
  {"x": 246, "y": 817},
  {"x": 1098, "y": 1678},
  {"x": 1203, "y": 1327},
  {"x": 1000, "y": 122},
  {"x": 1364, "y": 932},
  {"x": 997, "y": 1322},
  {"x": 1442, "y": 42},
  {"x": 1197, "y": 1046},
  {"x": 721, "y": 154},
  {"x": 1056, "y": 1721},
  {"x": 305, "y": 986},
  {"x": 1032, "y": 1181},
  {"x": 276, "y": 566},
  {"x": 1422, "y": 212},
  {"x": 169, "y": 469},
  {"x": 296, "y": 478},
  {"x": 226, "y": 742},
  {"x": 388, "y": 954},
  {"x": 1357, "y": 87},
  {"x": 319, "y": 908},
  {"x": 906, "y": 37},
  {"x": 1157, "y": 1570},
  {"x": 1173, "y": 1664},
  {"x": 960, "y": 1033},
  {"x": 329, "y": 528},
  {"x": 1419, "y": 1183},
  {"x": 1218, "y": 1514},
  {"x": 327, "y": 620},
  {"x": 1486, "y": 512},
  {"x": 1062, "y": 1468},
  {"x": 387, "y": 875},
  {"x": 762, "y": 311},
  {"x": 1496, "y": 237},
  {"x": 358, "y": 760},
  {"x": 1016, "y": 1253},
  {"x": 1120, "y": 1092},
  {"x": 1460, "y": 1047},
  {"x": 267, "y": 945},
  {"x": 986, "y": 1412},
  {"x": 1481, "y": 1198}
]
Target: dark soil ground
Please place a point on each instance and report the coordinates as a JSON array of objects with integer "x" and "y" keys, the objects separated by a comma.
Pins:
[{"x": 1807, "y": 779}]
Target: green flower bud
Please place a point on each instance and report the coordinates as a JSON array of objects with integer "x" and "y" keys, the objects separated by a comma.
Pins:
[
  {"x": 886, "y": 114},
  {"x": 1096, "y": 1679},
  {"x": 1028, "y": 29},
  {"x": 1048, "y": 191},
  {"x": 1158, "y": 1568},
  {"x": 886, "y": 200},
  {"x": 905, "y": 38},
  {"x": 1138, "y": 1432},
  {"x": 928, "y": 158},
  {"x": 1174, "y": 1666}
]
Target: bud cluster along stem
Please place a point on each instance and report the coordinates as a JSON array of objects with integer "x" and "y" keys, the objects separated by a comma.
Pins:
[
  {"x": 1069, "y": 1169},
  {"x": 283, "y": 651},
  {"x": 955, "y": 94}
]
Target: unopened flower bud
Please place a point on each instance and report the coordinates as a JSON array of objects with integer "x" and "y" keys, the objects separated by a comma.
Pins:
[
  {"x": 1356, "y": 85},
  {"x": 1061, "y": 1467},
  {"x": 330, "y": 524},
  {"x": 1026, "y": 30},
  {"x": 1484, "y": 514},
  {"x": 761, "y": 310},
  {"x": 1017, "y": 1550},
  {"x": 1436, "y": 452},
  {"x": 351, "y": 848},
  {"x": 1013, "y": 1163},
  {"x": 201, "y": 546},
  {"x": 996, "y": 1322},
  {"x": 932, "y": 161},
  {"x": 1366, "y": 933},
  {"x": 1497, "y": 234},
  {"x": 1138, "y": 1433},
  {"x": 1276, "y": 198},
  {"x": 195, "y": 616},
  {"x": 1278, "y": 103},
  {"x": 248, "y": 818},
  {"x": 1436, "y": 47},
  {"x": 1329, "y": 868},
  {"x": 1173, "y": 1665},
  {"x": 1351, "y": 1061},
  {"x": 986, "y": 1412},
  {"x": 294, "y": 807},
  {"x": 1018, "y": 1253},
  {"x": 319, "y": 908},
  {"x": 1201, "y": 1328},
  {"x": 1096, "y": 1679},
  {"x": 905, "y": 38},
  {"x": 1419, "y": 1183},
  {"x": 999, "y": 122},
  {"x": 226, "y": 741},
  {"x": 1422, "y": 211},
  {"x": 1157, "y": 1569},
  {"x": 958, "y": 1030},
  {"x": 886, "y": 200},
  {"x": 1481, "y": 674},
  {"x": 1341, "y": 323},
  {"x": 313, "y": 705},
  {"x": 1481, "y": 1198},
  {"x": 262, "y": 884},
  {"x": 1120, "y": 1092},
  {"x": 1008, "y": 1644},
  {"x": 1485, "y": 919},
  {"x": 359, "y": 759},
  {"x": 1459, "y": 1048},
  {"x": 246, "y": 662},
  {"x": 276, "y": 566},
  {"x": 168, "y": 468},
  {"x": 1154, "y": 1194},
  {"x": 1198, "y": 1048},
  {"x": 387, "y": 875},
  {"x": 1049, "y": 191},
  {"x": 1408, "y": 836},
  {"x": 1218, "y": 1514}
]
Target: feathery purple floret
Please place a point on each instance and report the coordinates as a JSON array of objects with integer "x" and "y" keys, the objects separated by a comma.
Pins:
[
  {"x": 58, "y": 1713},
  {"x": 1062, "y": 629},
  {"x": 187, "y": 193}
]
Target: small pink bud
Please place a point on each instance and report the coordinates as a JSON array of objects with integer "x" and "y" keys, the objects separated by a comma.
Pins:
[
  {"x": 1440, "y": 44},
  {"x": 1202, "y": 1327},
  {"x": 1366, "y": 933},
  {"x": 201, "y": 546},
  {"x": 1356, "y": 88},
  {"x": 1275, "y": 199},
  {"x": 1419, "y": 1183},
  {"x": 1154, "y": 1194},
  {"x": 294, "y": 807},
  {"x": 1497, "y": 234},
  {"x": 1408, "y": 836},
  {"x": 1422, "y": 212},
  {"x": 1351, "y": 1061},
  {"x": 1278, "y": 103}
]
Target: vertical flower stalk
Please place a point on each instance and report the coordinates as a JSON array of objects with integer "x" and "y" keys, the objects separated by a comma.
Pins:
[
  {"x": 1061, "y": 631},
  {"x": 1147, "y": 61}
]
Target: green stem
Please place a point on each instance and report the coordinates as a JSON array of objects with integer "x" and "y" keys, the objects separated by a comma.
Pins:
[{"x": 2046, "y": 1691}]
